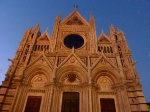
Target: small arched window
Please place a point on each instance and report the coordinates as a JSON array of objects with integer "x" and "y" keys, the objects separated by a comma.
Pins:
[
  {"x": 99, "y": 49},
  {"x": 104, "y": 51}
]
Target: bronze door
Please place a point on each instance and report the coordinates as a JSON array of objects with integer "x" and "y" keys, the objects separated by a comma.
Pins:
[
  {"x": 70, "y": 102},
  {"x": 33, "y": 104},
  {"x": 107, "y": 105}
]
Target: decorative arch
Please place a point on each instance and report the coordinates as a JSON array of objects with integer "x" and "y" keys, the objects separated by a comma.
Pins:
[
  {"x": 41, "y": 73},
  {"x": 111, "y": 73},
  {"x": 71, "y": 74}
]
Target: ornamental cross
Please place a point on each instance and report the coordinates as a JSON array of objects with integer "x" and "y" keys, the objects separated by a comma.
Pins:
[{"x": 75, "y": 7}]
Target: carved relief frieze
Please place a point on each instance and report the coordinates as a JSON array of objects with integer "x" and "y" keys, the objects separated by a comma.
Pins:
[
  {"x": 71, "y": 88},
  {"x": 74, "y": 29},
  {"x": 107, "y": 93},
  {"x": 37, "y": 91}
]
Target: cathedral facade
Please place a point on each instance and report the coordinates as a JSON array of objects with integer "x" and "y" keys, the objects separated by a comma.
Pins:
[{"x": 72, "y": 71}]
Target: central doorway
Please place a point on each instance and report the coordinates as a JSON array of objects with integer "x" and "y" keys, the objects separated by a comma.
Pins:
[
  {"x": 107, "y": 105},
  {"x": 70, "y": 102}
]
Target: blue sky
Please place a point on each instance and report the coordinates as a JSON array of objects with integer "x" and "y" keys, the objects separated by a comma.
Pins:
[{"x": 131, "y": 16}]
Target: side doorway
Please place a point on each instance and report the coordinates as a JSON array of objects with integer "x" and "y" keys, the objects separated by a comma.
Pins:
[
  {"x": 107, "y": 105},
  {"x": 33, "y": 104}
]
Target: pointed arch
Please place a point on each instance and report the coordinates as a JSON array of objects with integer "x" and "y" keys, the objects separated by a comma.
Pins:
[
  {"x": 110, "y": 72},
  {"x": 79, "y": 73},
  {"x": 33, "y": 71}
]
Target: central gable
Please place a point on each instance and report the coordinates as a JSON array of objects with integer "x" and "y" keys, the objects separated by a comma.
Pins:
[
  {"x": 75, "y": 18},
  {"x": 74, "y": 21}
]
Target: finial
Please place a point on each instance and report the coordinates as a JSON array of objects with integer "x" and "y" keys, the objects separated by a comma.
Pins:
[
  {"x": 46, "y": 29},
  {"x": 102, "y": 31},
  {"x": 112, "y": 28},
  {"x": 91, "y": 16},
  {"x": 37, "y": 26},
  {"x": 75, "y": 7},
  {"x": 59, "y": 16}
]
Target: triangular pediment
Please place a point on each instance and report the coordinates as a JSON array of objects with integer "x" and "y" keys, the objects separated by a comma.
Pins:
[
  {"x": 103, "y": 38},
  {"x": 104, "y": 61},
  {"x": 41, "y": 60},
  {"x": 74, "y": 21},
  {"x": 72, "y": 59},
  {"x": 75, "y": 18},
  {"x": 44, "y": 37}
]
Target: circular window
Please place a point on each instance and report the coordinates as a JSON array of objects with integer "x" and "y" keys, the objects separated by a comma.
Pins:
[{"x": 73, "y": 40}]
